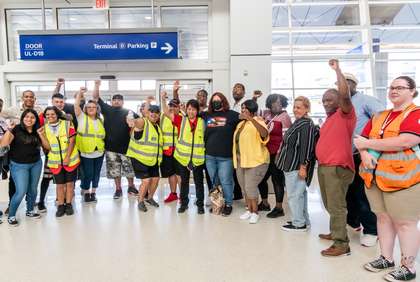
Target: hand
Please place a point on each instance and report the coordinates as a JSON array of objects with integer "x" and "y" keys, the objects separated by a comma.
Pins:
[
  {"x": 150, "y": 99},
  {"x": 334, "y": 64},
  {"x": 60, "y": 81},
  {"x": 10, "y": 124},
  {"x": 130, "y": 122},
  {"x": 183, "y": 108},
  {"x": 163, "y": 95},
  {"x": 257, "y": 94},
  {"x": 302, "y": 172},
  {"x": 245, "y": 116},
  {"x": 360, "y": 142},
  {"x": 176, "y": 86},
  {"x": 41, "y": 131},
  {"x": 368, "y": 161},
  {"x": 66, "y": 160}
]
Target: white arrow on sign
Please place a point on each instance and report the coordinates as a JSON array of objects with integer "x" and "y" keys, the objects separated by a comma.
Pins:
[{"x": 168, "y": 48}]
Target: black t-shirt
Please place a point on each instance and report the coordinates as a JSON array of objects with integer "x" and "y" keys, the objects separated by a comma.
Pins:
[
  {"x": 117, "y": 130},
  {"x": 69, "y": 109},
  {"x": 218, "y": 137},
  {"x": 25, "y": 147}
]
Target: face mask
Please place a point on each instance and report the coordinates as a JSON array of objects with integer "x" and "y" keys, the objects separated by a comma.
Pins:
[{"x": 217, "y": 105}]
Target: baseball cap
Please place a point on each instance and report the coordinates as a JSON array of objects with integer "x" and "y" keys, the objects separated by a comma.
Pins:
[
  {"x": 154, "y": 109},
  {"x": 118, "y": 97},
  {"x": 351, "y": 77},
  {"x": 174, "y": 103}
]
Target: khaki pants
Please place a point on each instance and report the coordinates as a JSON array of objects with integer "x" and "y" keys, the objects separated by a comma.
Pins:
[{"x": 334, "y": 182}]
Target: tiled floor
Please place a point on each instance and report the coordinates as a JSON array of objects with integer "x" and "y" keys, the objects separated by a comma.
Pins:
[{"x": 113, "y": 241}]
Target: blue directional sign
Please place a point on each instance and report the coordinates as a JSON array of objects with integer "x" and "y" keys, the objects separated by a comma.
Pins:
[{"x": 98, "y": 46}]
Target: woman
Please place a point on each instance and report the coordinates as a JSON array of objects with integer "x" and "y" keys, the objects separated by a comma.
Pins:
[
  {"x": 189, "y": 151},
  {"x": 25, "y": 140},
  {"x": 220, "y": 126},
  {"x": 391, "y": 171},
  {"x": 251, "y": 156},
  {"x": 278, "y": 121},
  {"x": 63, "y": 158},
  {"x": 90, "y": 142},
  {"x": 145, "y": 151},
  {"x": 297, "y": 160}
]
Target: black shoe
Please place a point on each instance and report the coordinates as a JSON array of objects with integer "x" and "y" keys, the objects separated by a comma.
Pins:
[
  {"x": 12, "y": 221},
  {"x": 227, "y": 210},
  {"x": 402, "y": 273},
  {"x": 263, "y": 207},
  {"x": 69, "y": 209},
  {"x": 93, "y": 198},
  {"x": 141, "y": 206},
  {"x": 152, "y": 202},
  {"x": 379, "y": 264},
  {"x": 1, "y": 213},
  {"x": 200, "y": 210},
  {"x": 118, "y": 194},
  {"x": 276, "y": 212},
  {"x": 61, "y": 210},
  {"x": 291, "y": 227},
  {"x": 132, "y": 191},
  {"x": 41, "y": 207},
  {"x": 33, "y": 214},
  {"x": 182, "y": 209},
  {"x": 87, "y": 197}
]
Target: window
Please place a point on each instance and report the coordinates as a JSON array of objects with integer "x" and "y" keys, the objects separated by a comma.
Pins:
[
  {"x": 25, "y": 19},
  {"x": 82, "y": 18},
  {"x": 131, "y": 17},
  {"x": 192, "y": 23},
  {"x": 325, "y": 15},
  {"x": 131, "y": 85}
]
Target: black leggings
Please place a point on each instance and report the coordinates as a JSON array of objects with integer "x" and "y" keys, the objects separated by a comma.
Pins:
[
  {"x": 277, "y": 177},
  {"x": 45, "y": 183}
]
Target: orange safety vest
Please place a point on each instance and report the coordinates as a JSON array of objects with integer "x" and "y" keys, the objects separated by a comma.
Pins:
[{"x": 394, "y": 170}]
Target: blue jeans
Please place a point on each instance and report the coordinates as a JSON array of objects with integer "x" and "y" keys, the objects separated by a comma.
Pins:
[
  {"x": 297, "y": 198},
  {"x": 91, "y": 171},
  {"x": 26, "y": 177},
  {"x": 221, "y": 171}
]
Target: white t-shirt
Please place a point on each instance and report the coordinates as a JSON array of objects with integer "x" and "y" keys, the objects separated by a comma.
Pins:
[{"x": 96, "y": 154}]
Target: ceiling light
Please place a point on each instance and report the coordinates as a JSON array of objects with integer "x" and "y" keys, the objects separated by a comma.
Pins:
[{"x": 148, "y": 18}]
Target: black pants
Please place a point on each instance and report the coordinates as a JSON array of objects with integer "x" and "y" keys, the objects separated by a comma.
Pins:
[
  {"x": 358, "y": 208},
  {"x": 198, "y": 175},
  {"x": 277, "y": 177},
  {"x": 208, "y": 180},
  {"x": 45, "y": 183},
  {"x": 237, "y": 191},
  {"x": 12, "y": 188}
]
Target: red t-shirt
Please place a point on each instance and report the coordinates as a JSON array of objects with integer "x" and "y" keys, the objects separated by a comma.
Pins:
[
  {"x": 177, "y": 123},
  {"x": 55, "y": 171},
  {"x": 411, "y": 124},
  {"x": 334, "y": 147}
]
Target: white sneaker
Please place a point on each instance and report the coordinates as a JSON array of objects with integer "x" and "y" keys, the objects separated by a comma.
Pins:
[
  {"x": 254, "y": 218},
  {"x": 368, "y": 240},
  {"x": 245, "y": 215}
]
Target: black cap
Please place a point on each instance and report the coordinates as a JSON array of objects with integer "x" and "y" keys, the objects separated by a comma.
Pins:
[
  {"x": 154, "y": 109},
  {"x": 174, "y": 102},
  {"x": 118, "y": 97}
]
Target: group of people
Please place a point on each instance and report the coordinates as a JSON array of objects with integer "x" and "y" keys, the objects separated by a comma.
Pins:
[{"x": 367, "y": 158}]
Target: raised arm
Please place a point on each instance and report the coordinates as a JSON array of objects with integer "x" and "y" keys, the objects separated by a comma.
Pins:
[
  {"x": 95, "y": 93},
  {"x": 165, "y": 108},
  {"x": 175, "y": 89},
  {"x": 344, "y": 97},
  {"x": 58, "y": 84},
  {"x": 78, "y": 99}
]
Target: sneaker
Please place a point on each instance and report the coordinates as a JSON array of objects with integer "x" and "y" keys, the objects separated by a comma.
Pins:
[
  {"x": 61, "y": 210},
  {"x": 132, "y": 191},
  {"x": 93, "y": 198},
  {"x": 1, "y": 213},
  {"x": 291, "y": 227},
  {"x": 33, "y": 214},
  {"x": 41, "y": 207},
  {"x": 152, "y": 202},
  {"x": 276, "y": 212},
  {"x": 118, "y": 194},
  {"x": 69, "y": 209},
  {"x": 87, "y": 197},
  {"x": 12, "y": 221},
  {"x": 182, "y": 209},
  {"x": 1, "y": 221},
  {"x": 171, "y": 197},
  {"x": 254, "y": 218},
  {"x": 400, "y": 274},
  {"x": 200, "y": 210},
  {"x": 336, "y": 251},
  {"x": 308, "y": 226},
  {"x": 355, "y": 229},
  {"x": 227, "y": 210},
  {"x": 263, "y": 207},
  {"x": 245, "y": 215},
  {"x": 325, "y": 237},
  {"x": 141, "y": 206},
  {"x": 368, "y": 240},
  {"x": 379, "y": 264}
]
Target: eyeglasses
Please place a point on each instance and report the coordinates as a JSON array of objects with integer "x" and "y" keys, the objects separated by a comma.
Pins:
[{"x": 399, "y": 88}]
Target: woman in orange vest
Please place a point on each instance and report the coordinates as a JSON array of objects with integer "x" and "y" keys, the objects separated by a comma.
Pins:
[{"x": 389, "y": 148}]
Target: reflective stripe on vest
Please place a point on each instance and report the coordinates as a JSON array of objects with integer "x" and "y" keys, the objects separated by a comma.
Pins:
[
  {"x": 169, "y": 132},
  {"x": 147, "y": 150},
  {"x": 394, "y": 170},
  {"x": 59, "y": 145},
  {"x": 183, "y": 150},
  {"x": 88, "y": 138}
]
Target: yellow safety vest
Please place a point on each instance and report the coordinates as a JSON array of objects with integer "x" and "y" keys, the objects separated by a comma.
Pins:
[
  {"x": 186, "y": 149},
  {"x": 59, "y": 143},
  {"x": 147, "y": 150},
  {"x": 169, "y": 132},
  {"x": 88, "y": 138}
]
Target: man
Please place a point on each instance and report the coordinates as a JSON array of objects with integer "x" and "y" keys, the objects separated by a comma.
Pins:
[
  {"x": 335, "y": 162},
  {"x": 117, "y": 138},
  {"x": 358, "y": 209}
]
